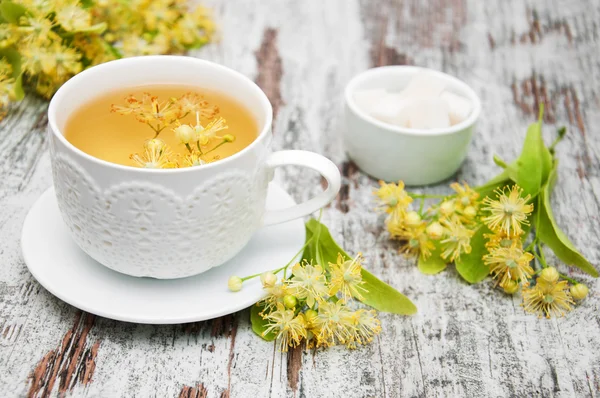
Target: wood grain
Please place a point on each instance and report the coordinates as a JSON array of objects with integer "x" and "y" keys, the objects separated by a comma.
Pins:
[{"x": 465, "y": 340}]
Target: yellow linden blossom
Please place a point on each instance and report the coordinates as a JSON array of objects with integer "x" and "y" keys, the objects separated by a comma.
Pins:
[
  {"x": 346, "y": 278},
  {"x": 73, "y": 18},
  {"x": 393, "y": 197},
  {"x": 465, "y": 195},
  {"x": 365, "y": 325},
  {"x": 334, "y": 323},
  {"x": 547, "y": 299},
  {"x": 308, "y": 283},
  {"x": 502, "y": 239},
  {"x": 150, "y": 110},
  {"x": 275, "y": 296},
  {"x": 193, "y": 159},
  {"x": 417, "y": 241},
  {"x": 509, "y": 263},
  {"x": 290, "y": 329},
  {"x": 187, "y": 28},
  {"x": 193, "y": 103},
  {"x": 509, "y": 211},
  {"x": 156, "y": 156},
  {"x": 457, "y": 240},
  {"x": 204, "y": 135}
]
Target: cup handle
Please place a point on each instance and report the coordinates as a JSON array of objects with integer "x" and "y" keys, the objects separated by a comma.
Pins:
[{"x": 310, "y": 160}]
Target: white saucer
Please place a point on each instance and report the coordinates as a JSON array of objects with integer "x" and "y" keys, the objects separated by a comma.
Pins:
[{"x": 71, "y": 275}]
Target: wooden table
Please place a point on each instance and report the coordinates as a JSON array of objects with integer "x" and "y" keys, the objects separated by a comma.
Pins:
[{"x": 465, "y": 340}]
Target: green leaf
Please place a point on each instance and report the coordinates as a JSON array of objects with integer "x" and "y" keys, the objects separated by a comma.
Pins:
[
  {"x": 324, "y": 249},
  {"x": 259, "y": 325},
  {"x": 471, "y": 266},
  {"x": 434, "y": 264},
  {"x": 531, "y": 170},
  {"x": 11, "y": 12},
  {"x": 549, "y": 232},
  {"x": 379, "y": 295},
  {"x": 14, "y": 59},
  {"x": 383, "y": 297}
]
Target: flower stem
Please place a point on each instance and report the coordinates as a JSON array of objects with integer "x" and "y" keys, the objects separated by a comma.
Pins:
[
  {"x": 189, "y": 148},
  {"x": 284, "y": 268},
  {"x": 217, "y": 146},
  {"x": 573, "y": 281}
]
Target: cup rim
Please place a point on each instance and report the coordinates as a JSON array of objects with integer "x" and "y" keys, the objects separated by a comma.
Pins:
[
  {"x": 469, "y": 92},
  {"x": 131, "y": 62}
]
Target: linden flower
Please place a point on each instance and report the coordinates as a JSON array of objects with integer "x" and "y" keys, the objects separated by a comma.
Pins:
[
  {"x": 308, "y": 283},
  {"x": 501, "y": 239},
  {"x": 36, "y": 29},
  {"x": 290, "y": 329},
  {"x": 334, "y": 323},
  {"x": 509, "y": 263},
  {"x": 465, "y": 195},
  {"x": 365, "y": 326},
  {"x": 417, "y": 239},
  {"x": 156, "y": 156},
  {"x": 73, "y": 18},
  {"x": 393, "y": 197},
  {"x": 547, "y": 299},
  {"x": 208, "y": 133},
  {"x": 150, "y": 110},
  {"x": 509, "y": 211},
  {"x": 193, "y": 103},
  {"x": 346, "y": 278},
  {"x": 457, "y": 241},
  {"x": 276, "y": 294},
  {"x": 193, "y": 159}
]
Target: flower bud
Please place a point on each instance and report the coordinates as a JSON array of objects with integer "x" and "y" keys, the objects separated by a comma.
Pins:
[
  {"x": 435, "y": 230},
  {"x": 549, "y": 275},
  {"x": 290, "y": 301},
  {"x": 268, "y": 279},
  {"x": 447, "y": 207},
  {"x": 579, "y": 291},
  {"x": 184, "y": 133},
  {"x": 470, "y": 212},
  {"x": 311, "y": 316},
  {"x": 155, "y": 145},
  {"x": 235, "y": 283},
  {"x": 412, "y": 219},
  {"x": 510, "y": 286}
]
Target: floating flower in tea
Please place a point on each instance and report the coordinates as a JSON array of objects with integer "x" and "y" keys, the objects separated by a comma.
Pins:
[{"x": 159, "y": 115}]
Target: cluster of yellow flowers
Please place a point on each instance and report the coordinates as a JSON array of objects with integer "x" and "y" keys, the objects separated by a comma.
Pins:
[
  {"x": 452, "y": 222},
  {"x": 56, "y": 39},
  {"x": 449, "y": 226},
  {"x": 159, "y": 115},
  {"x": 312, "y": 306}
]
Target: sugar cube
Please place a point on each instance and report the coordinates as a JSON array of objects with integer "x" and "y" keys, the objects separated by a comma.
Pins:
[{"x": 459, "y": 106}]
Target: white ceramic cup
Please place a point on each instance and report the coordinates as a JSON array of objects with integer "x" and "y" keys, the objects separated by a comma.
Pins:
[
  {"x": 392, "y": 153},
  {"x": 171, "y": 223}
]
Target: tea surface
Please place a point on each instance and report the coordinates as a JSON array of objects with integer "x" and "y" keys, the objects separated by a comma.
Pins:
[{"x": 114, "y": 137}]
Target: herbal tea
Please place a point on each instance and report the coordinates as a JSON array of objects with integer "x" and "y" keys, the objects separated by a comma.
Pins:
[{"x": 161, "y": 126}]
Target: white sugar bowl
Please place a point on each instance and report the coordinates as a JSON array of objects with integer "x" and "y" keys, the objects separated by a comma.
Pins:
[{"x": 418, "y": 156}]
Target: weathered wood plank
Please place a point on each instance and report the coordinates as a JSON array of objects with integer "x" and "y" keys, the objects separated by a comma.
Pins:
[{"x": 465, "y": 340}]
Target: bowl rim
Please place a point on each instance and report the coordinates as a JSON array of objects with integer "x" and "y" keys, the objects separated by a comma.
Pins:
[{"x": 411, "y": 70}]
